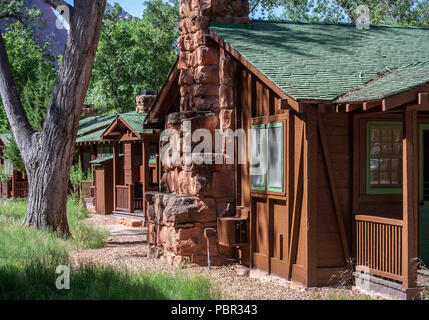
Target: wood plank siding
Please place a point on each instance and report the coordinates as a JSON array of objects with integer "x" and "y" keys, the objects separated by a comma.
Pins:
[{"x": 305, "y": 232}]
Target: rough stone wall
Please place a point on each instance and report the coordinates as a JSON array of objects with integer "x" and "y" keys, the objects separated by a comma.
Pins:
[
  {"x": 144, "y": 103},
  {"x": 193, "y": 196},
  {"x": 89, "y": 111}
]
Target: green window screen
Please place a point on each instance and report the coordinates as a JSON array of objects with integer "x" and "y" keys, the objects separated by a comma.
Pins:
[
  {"x": 258, "y": 162},
  {"x": 275, "y": 157},
  {"x": 384, "y": 153}
]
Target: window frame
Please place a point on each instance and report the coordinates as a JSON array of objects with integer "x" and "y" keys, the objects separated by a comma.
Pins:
[
  {"x": 256, "y": 122},
  {"x": 384, "y": 189},
  {"x": 262, "y": 187},
  {"x": 275, "y": 124}
]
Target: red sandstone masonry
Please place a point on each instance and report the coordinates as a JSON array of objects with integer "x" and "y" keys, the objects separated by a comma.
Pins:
[{"x": 194, "y": 196}]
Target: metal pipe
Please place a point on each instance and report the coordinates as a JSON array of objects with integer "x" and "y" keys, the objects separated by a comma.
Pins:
[{"x": 208, "y": 244}]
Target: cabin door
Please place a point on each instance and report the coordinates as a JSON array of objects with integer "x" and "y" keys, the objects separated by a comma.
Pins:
[
  {"x": 99, "y": 187},
  {"x": 424, "y": 195}
]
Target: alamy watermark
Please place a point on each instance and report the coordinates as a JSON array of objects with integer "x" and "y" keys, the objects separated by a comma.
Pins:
[
  {"x": 202, "y": 146},
  {"x": 63, "y": 17},
  {"x": 63, "y": 280},
  {"x": 363, "y": 18}
]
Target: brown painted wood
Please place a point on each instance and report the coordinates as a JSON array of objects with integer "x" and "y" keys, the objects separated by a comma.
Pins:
[
  {"x": 371, "y": 105},
  {"x": 404, "y": 98},
  {"x": 423, "y": 98},
  {"x": 410, "y": 199},
  {"x": 297, "y": 203},
  {"x": 338, "y": 212},
  {"x": 115, "y": 172}
]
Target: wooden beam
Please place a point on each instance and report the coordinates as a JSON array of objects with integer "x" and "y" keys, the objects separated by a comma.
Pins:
[
  {"x": 423, "y": 98},
  {"x": 331, "y": 177},
  {"x": 418, "y": 107},
  {"x": 310, "y": 194},
  {"x": 410, "y": 199},
  {"x": 353, "y": 106},
  {"x": 283, "y": 104},
  {"x": 371, "y": 105},
  {"x": 404, "y": 98},
  {"x": 115, "y": 172},
  {"x": 297, "y": 203}
]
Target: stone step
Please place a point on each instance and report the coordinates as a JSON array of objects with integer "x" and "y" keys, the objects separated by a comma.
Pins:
[{"x": 128, "y": 220}]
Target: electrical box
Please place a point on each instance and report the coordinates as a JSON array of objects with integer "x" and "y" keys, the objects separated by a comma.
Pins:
[{"x": 232, "y": 231}]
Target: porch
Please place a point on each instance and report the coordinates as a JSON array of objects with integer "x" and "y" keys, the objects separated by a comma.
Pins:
[
  {"x": 389, "y": 225},
  {"x": 14, "y": 189},
  {"x": 126, "y": 201},
  {"x": 133, "y": 152}
]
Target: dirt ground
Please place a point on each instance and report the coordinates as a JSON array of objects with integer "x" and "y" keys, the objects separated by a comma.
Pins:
[{"x": 127, "y": 249}]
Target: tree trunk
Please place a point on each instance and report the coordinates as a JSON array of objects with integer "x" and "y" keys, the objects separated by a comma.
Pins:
[{"x": 48, "y": 155}]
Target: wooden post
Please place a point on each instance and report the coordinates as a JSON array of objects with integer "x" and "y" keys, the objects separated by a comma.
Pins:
[
  {"x": 144, "y": 178},
  {"x": 13, "y": 184},
  {"x": 115, "y": 163},
  {"x": 310, "y": 194},
  {"x": 131, "y": 198},
  {"x": 410, "y": 199}
]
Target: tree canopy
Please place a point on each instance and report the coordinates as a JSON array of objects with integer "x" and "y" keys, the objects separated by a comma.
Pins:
[
  {"x": 396, "y": 12},
  {"x": 133, "y": 55}
]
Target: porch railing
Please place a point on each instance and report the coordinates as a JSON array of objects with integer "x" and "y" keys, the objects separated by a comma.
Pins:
[
  {"x": 21, "y": 189},
  {"x": 379, "y": 246}
]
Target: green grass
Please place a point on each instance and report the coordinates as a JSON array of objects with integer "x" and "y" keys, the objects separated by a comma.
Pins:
[{"x": 29, "y": 258}]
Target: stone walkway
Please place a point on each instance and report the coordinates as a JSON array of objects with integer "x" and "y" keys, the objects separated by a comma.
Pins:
[{"x": 127, "y": 249}]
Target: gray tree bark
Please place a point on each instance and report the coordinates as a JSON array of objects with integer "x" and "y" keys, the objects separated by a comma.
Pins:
[{"x": 48, "y": 154}]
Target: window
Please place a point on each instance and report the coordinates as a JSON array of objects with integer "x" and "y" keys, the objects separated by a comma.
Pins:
[
  {"x": 104, "y": 151},
  {"x": 275, "y": 157},
  {"x": 384, "y": 157},
  {"x": 259, "y": 151},
  {"x": 267, "y": 157}
]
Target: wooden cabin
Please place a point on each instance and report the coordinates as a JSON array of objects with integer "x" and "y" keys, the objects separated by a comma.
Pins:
[
  {"x": 90, "y": 148},
  {"x": 342, "y": 115},
  {"x": 134, "y": 162},
  {"x": 17, "y": 184}
]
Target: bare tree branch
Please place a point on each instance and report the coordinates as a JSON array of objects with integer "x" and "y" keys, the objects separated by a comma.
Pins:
[
  {"x": 17, "y": 17},
  {"x": 15, "y": 112}
]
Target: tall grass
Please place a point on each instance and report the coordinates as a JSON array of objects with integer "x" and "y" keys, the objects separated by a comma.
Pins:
[{"x": 29, "y": 257}]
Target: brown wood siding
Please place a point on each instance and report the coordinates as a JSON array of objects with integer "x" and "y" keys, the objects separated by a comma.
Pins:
[
  {"x": 390, "y": 205},
  {"x": 338, "y": 131}
]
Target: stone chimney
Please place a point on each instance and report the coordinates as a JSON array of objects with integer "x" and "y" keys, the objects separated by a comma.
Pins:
[
  {"x": 88, "y": 110},
  {"x": 145, "y": 100},
  {"x": 200, "y": 59},
  {"x": 193, "y": 196}
]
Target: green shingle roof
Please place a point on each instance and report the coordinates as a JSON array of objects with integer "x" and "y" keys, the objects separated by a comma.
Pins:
[
  {"x": 91, "y": 129},
  {"x": 92, "y": 137},
  {"x": 104, "y": 159},
  {"x": 92, "y": 123},
  {"x": 135, "y": 120},
  {"x": 323, "y": 61}
]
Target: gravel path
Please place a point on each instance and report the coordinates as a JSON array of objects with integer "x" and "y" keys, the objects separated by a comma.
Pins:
[{"x": 127, "y": 249}]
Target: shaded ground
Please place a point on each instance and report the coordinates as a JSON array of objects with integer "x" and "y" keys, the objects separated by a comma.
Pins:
[{"x": 127, "y": 249}]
